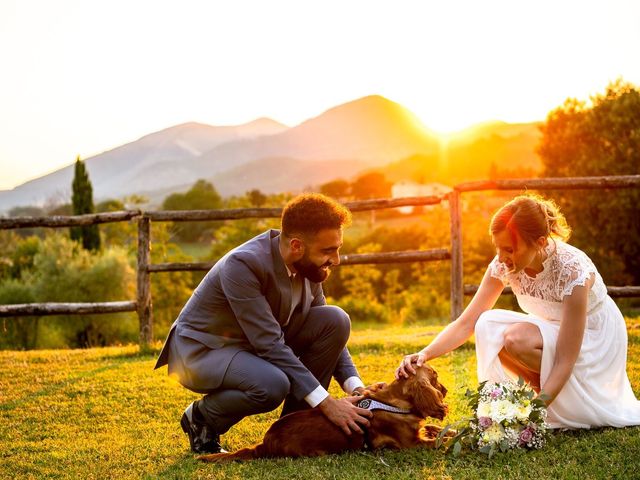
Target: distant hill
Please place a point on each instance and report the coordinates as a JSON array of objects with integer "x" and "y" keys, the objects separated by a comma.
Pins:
[
  {"x": 496, "y": 148},
  {"x": 160, "y": 160},
  {"x": 507, "y": 149},
  {"x": 371, "y": 133},
  {"x": 372, "y": 129},
  {"x": 284, "y": 175}
]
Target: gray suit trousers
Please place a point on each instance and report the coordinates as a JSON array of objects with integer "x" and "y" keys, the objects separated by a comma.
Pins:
[{"x": 252, "y": 385}]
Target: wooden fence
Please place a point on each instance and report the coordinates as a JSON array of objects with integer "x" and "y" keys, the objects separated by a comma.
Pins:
[{"x": 143, "y": 303}]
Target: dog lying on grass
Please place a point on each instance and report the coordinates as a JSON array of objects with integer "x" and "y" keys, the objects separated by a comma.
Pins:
[{"x": 400, "y": 410}]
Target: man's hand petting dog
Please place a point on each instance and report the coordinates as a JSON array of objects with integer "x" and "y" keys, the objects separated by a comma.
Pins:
[{"x": 343, "y": 413}]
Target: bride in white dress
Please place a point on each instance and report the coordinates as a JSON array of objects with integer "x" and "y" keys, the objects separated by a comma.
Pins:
[{"x": 570, "y": 345}]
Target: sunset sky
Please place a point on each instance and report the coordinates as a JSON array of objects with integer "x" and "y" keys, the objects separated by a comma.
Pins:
[{"x": 83, "y": 76}]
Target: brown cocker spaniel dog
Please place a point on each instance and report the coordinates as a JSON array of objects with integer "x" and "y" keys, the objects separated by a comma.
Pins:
[{"x": 309, "y": 433}]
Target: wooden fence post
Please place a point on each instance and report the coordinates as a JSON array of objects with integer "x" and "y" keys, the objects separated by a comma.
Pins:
[
  {"x": 145, "y": 313},
  {"x": 457, "y": 291}
]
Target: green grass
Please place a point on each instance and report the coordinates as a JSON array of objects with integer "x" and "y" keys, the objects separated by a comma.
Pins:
[{"x": 104, "y": 413}]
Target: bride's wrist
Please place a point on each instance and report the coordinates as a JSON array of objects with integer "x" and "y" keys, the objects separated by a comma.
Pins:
[{"x": 545, "y": 397}]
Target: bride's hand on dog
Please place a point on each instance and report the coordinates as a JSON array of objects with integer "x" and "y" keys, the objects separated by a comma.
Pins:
[
  {"x": 408, "y": 364},
  {"x": 343, "y": 413}
]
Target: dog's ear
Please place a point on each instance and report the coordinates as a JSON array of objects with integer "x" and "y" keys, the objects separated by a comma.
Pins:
[{"x": 426, "y": 399}]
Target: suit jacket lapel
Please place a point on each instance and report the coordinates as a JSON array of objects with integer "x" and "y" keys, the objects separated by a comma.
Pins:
[
  {"x": 301, "y": 314},
  {"x": 282, "y": 280}
]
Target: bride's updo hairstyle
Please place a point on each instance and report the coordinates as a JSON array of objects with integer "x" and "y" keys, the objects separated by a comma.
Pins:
[{"x": 532, "y": 217}]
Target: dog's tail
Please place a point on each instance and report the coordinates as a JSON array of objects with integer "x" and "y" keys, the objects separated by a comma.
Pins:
[{"x": 257, "y": 451}]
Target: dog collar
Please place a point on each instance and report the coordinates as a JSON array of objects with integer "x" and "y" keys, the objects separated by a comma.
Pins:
[{"x": 371, "y": 404}]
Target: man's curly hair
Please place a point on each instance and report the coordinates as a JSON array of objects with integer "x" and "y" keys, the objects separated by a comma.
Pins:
[{"x": 309, "y": 213}]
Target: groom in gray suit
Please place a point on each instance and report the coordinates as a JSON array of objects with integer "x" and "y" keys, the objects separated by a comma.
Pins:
[{"x": 257, "y": 330}]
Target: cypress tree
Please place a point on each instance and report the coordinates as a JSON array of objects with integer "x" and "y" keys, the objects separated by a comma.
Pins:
[{"x": 82, "y": 200}]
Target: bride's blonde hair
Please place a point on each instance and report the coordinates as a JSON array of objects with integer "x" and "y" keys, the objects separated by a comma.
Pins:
[{"x": 532, "y": 217}]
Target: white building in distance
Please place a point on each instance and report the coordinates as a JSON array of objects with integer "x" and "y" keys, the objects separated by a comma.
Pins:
[{"x": 406, "y": 188}]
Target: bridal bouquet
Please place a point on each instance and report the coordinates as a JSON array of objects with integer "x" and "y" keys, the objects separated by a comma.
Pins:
[{"x": 505, "y": 415}]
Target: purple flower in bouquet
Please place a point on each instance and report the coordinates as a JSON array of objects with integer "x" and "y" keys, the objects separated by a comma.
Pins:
[
  {"x": 485, "y": 422},
  {"x": 496, "y": 393},
  {"x": 526, "y": 436}
]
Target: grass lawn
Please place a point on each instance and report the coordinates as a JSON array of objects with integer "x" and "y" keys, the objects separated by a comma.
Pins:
[{"x": 104, "y": 413}]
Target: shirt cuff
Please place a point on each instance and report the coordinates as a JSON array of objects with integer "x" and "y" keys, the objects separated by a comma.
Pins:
[
  {"x": 351, "y": 383},
  {"x": 317, "y": 396}
]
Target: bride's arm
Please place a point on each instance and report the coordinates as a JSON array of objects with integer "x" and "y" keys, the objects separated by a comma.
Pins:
[
  {"x": 458, "y": 331},
  {"x": 574, "y": 319}
]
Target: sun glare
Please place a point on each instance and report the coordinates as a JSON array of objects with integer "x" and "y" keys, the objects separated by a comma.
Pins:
[
  {"x": 446, "y": 129},
  {"x": 453, "y": 66}
]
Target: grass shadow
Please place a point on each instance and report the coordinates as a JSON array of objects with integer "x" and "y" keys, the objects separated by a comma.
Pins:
[
  {"x": 56, "y": 387},
  {"x": 184, "y": 467}
]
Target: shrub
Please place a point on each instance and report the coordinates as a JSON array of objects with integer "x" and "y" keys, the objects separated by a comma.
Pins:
[{"x": 363, "y": 310}]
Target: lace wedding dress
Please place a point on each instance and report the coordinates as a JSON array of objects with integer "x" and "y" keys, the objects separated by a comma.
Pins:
[{"x": 598, "y": 393}]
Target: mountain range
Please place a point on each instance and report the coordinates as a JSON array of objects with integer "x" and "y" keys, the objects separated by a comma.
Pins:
[{"x": 343, "y": 142}]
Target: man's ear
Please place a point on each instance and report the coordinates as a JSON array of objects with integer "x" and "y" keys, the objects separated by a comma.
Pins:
[{"x": 296, "y": 245}]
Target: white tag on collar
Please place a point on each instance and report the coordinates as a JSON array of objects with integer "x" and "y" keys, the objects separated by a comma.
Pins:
[{"x": 371, "y": 404}]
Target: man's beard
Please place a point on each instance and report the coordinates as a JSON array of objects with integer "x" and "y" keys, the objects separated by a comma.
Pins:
[{"x": 309, "y": 270}]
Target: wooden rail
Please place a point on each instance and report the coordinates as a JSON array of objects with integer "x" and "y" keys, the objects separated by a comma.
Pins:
[
  {"x": 40, "y": 309},
  {"x": 566, "y": 183},
  {"x": 350, "y": 259},
  {"x": 239, "y": 213},
  {"x": 143, "y": 304},
  {"x": 626, "y": 291},
  {"x": 57, "y": 221},
  {"x": 145, "y": 310},
  {"x": 455, "y": 223}
]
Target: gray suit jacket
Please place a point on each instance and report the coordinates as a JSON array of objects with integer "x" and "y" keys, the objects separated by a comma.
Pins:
[{"x": 242, "y": 304}]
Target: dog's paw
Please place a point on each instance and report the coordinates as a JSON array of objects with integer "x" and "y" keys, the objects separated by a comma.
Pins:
[
  {"x": 433, "y": 431},
  {"x": 373, "y": 388},
  {"x": 213, "y": 457}
]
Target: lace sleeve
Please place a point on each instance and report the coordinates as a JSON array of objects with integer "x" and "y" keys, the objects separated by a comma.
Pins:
[
  {"x": 576, "y": 271},
  {"x": 499, "y": 270}
]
